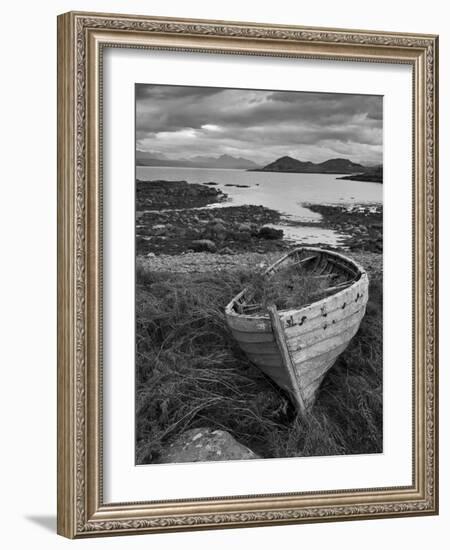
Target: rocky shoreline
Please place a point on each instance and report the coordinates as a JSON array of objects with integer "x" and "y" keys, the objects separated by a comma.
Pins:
[
  {"x": 162, "y": 194},
  {"x": 361, "y": 225},
  {"x": 176, "y": 217},
  {"x": 373, "y": 178}
]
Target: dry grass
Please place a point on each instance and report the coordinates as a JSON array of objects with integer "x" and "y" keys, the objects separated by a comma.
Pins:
[
  {"x": 190, "y": 373},
  {"x": 288, "y": 288}
]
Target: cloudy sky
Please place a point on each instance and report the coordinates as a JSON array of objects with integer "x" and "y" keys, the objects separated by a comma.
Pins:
[{"x": 181, "y": 122}]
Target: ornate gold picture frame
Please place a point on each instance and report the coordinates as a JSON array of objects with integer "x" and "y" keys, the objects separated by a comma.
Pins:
[{"x": 82, "y": 39}]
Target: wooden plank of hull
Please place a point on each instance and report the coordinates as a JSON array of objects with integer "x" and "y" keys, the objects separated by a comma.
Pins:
[
  {"x": 325, "y": 331},
  {"x": 310, "y": 392},
  {"x": 262, "y": 348},
  {"x": 278, "y": 374},
  {"x": 246, "y": 323},
  {"x": 312, "y": 369},
  {"x": 325, "y": 345},
  {"x": 253, "y": 337},
  {"x": 338, "y": 317},
  {"x": 265, "y": 359}
]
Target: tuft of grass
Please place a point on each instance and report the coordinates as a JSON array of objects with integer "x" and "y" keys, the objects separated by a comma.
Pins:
[{"x": 191, "y": 373}]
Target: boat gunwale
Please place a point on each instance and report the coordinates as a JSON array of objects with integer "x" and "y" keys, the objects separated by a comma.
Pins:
[{"x": 287, "y": 312}]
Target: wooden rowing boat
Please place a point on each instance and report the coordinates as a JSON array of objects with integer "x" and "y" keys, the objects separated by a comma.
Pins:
[{"x": 296, "y": 347}]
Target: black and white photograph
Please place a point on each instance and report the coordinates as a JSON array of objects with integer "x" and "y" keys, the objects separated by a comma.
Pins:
[{"x": 259, "y": 274}]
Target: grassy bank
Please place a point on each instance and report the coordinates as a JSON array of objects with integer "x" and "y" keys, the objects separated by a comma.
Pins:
[{"x": 190, "y": 373}]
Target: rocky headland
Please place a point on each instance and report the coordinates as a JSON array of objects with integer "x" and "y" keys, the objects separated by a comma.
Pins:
[{"x": 373, "y": 174}]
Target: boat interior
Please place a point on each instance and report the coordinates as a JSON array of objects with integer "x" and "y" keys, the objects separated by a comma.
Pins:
[{"x": 333, "y": 270}]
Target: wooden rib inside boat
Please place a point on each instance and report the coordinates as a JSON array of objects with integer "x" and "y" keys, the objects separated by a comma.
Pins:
[{"x": 297, "y": 346}]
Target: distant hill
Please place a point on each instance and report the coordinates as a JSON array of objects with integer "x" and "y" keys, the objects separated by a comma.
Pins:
[
  {"x": 332, "y": 166},
  {"x": 339, "y": 166},
  {"x": 224, "y": 161},
  {"x": 287, "y": 164}
]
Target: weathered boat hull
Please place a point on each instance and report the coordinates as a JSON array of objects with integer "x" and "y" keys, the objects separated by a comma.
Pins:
[{"x": 315, "y": 335}]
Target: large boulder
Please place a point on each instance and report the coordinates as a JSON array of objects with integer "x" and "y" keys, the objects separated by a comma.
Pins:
[{"x": 205, "y": 445}]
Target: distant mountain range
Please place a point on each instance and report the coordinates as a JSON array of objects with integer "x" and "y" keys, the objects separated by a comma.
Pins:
[
  {"x": 283, "y": 164},
  {"x": 224, "y": 161},
  {"x": 331, "y": 166}
]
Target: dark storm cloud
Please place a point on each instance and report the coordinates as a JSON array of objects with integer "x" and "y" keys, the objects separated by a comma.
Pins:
[
  {"x": 170, "y": 92},
  {"x": 180, "y": 122}
]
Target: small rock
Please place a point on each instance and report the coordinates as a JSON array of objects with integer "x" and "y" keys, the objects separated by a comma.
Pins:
[
  {"x": 204, "y": 245},
  {"x": 216, "y": 230},
  {"x": 270, "y": 233},
  {"x": 243, "y": 236},
  {"x": 226, "y": 250},
  {"x": 159, "y": 229},
  {"x": 244, "y": 227},
  {"x": 235, "y": 185},
  {"x": 194, "y": 233},
  {"x": 205, "y": 445}
]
